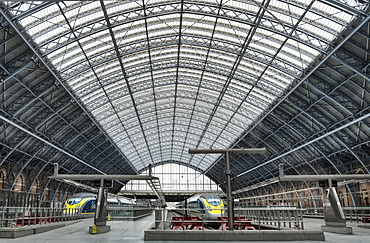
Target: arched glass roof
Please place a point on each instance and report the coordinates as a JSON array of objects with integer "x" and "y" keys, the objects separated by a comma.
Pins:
[{"x": 161, "y": 77}]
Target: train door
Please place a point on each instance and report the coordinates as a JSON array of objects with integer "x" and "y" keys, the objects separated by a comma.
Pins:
[
  {"x": 89, "y": 206},
  {"x": 201, "y": 207}
]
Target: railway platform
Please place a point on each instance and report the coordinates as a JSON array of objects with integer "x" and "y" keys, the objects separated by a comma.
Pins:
[{"x": 134, "y": 232}]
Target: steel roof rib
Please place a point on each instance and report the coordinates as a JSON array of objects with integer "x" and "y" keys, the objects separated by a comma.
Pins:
[
  {"x": 311, "y": 71},
  {"x": 44, "y": 62},
  {"x": 125, "y": 77},
  {"x": 176, "y": 80},
  {"x": 304, "y": 145},
  {"x": 152, "y": 77},
  {"x": 345, "y": 7},
  {"x": 201, "y": 79},
  {"x": 38, "y": 97},
  {"x": 94, "y": 31},
  {"x": 97, "y": 77},
  {"x": 276, "y": 53},
  {"x": 23, "y": 14},
  {"x": 235, "y": 64}
]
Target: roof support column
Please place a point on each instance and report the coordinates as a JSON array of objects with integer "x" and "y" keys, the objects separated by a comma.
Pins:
[
  {"x": 230, "y": 201},
  {"x": 100, "y": 218}
]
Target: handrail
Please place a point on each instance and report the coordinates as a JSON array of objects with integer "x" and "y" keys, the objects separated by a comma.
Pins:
[{"x": 26, "y": 216}]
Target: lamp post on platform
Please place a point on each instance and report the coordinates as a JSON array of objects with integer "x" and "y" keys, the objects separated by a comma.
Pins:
[{"x": 227, "y": 152}]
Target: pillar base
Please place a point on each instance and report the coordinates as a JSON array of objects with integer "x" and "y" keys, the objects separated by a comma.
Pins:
[
  {"x": 338, "y": 230},
  {"x": 98, "y": 229}
]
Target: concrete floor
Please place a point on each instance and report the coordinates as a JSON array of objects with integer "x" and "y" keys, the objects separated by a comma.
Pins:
[{"x": 133, "y": 232}]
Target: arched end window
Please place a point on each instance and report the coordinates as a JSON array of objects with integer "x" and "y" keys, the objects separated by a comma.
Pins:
[
  {"x": 2, "y": 179},
  {"x": 365, "y": 197},
  {"x": 175, "y": 177},
  {"x": 19, "y": 184},
  {"x": 35, "y": 186}
]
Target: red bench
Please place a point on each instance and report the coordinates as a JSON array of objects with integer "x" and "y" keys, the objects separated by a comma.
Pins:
[
  {"x": 31, "y": 220},
  {"x": 366, "y": 219},
  {"x": 190, "y": 223},
  {"x": 240, "y": 223}
]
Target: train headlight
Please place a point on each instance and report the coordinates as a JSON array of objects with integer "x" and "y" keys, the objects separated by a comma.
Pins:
[{"x": 209, "y": 208}]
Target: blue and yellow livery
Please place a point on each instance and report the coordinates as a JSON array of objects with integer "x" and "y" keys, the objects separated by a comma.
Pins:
[
  {"x": 85, "y": 202},
  {"x": 207, "y": 206}
]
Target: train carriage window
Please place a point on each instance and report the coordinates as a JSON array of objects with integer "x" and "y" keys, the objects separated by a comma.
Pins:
[
  {"x": 73, "y": 201},
  {"x": 214, "y": 201},
  {"x": 193, "y": 205}
]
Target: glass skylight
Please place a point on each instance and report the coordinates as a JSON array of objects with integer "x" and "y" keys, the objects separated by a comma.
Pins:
[{"x": 161, "y": 81}]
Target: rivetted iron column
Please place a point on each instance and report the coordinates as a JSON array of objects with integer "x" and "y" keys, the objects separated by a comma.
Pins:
[
  {"x": 100, "y": 218},
  {"x": 230, "y": 208}
]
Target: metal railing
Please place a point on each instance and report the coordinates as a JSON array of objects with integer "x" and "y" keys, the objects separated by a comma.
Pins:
[
  {"x": 26, "y": 216},
  {"x": 276, "y": 217},
  {"x": 350, "y": 213},
  {"x": 10, "y": 198},
  {"x": 128, "y": 213},
  {"x": 260, "y": 218}
]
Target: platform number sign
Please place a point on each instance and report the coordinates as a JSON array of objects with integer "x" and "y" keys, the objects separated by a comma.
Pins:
[
  {"x": 334, "y": 183},
  {"x": 107, "y": 183}
]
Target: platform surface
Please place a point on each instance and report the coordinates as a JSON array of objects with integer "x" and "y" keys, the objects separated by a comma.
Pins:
[{"x": 133, "y": 232}]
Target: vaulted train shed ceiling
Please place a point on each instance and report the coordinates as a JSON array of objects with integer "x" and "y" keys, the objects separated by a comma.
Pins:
[{"x": 115, "y": 86}]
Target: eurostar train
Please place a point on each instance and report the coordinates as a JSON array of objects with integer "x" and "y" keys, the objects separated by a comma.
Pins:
[
  {"x": 206, "y": 206},
  {"x": 86, "y": 202}
]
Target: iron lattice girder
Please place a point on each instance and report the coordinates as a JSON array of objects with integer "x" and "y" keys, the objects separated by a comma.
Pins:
[
  {"x": 243, "y": 18},
  {"x": 106, "y": 56},
  {"x": 270, "y": 89}
]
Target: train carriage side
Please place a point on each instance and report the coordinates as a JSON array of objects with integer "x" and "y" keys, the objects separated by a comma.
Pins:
[{"x": 85, "y": 202}]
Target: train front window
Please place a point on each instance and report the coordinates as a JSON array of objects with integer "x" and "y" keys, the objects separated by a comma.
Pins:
[
  {"x": 73, "y": 201},
  {"x": 214, "y": 201}
]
